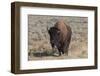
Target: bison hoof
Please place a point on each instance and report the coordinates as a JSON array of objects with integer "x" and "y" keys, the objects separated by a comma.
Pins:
[{"x": 56, "y": 54}]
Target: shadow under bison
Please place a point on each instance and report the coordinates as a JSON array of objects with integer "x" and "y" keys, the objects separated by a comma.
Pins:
[{"x": 43, "y": 53}]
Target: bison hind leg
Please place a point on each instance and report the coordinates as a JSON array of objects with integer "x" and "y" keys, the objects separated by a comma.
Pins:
[{"x": 66, "y": 45}]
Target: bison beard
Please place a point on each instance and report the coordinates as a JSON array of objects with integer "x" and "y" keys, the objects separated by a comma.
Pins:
[{"x": 60, "y": 36}]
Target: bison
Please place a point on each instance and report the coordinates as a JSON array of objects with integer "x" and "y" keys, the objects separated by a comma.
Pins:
[{"x": 60, "y": 36}]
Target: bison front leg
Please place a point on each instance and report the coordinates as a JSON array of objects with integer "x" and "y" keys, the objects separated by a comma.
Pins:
[
  {"x": 66, "y": 47},
  {"x": 60, "y": 51},
  {"x": 53, "y": 47},
  {"x": 54, "y": 50}
]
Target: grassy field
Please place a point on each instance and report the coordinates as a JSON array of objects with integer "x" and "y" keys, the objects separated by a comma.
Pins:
[{"x": 39, "y": 47}]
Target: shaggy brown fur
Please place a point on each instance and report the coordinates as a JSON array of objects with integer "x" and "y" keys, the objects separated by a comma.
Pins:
[
  {"x": 65, "y": 34},
  {"x": 61, "y": 40}
]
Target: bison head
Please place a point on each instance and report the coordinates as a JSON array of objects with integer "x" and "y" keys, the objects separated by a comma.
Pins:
[{"x": 54, "y": 36}]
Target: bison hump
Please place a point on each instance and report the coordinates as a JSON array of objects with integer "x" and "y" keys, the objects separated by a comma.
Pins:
[
  {"x": 64, "y": 28},
  {"x": 61, "y": 26}
]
